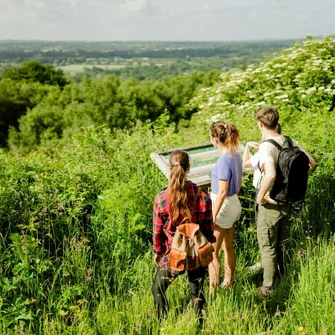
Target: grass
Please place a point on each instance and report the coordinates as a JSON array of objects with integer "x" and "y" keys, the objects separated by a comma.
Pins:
[
  {"x": 76, "y": 255},
  {"x": 303, "y": 302}
]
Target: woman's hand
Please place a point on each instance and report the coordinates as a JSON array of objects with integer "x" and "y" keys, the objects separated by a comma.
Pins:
[{"x": 157, "y": 259}]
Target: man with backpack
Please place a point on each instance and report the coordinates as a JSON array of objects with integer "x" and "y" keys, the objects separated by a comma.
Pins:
[{"x": 285, "y": 165}]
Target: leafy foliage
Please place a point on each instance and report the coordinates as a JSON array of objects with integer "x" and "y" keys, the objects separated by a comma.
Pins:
[
  {"x": 33, "y": 71},
  {"x": 300, "y": 82},
  {"x": 75, "y": 212},
  {"x": 108, "y": 101}
]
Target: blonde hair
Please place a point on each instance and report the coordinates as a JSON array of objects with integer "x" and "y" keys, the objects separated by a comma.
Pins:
[
  {"x": 226, "y": 133},
  {"x": 178, "y": 185}
]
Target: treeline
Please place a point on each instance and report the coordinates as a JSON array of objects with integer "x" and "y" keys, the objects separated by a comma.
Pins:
[
  {"x": 50, "y": 51},
  {"x": 38, "y": 103},
  {"x": 175, "y": 68}
]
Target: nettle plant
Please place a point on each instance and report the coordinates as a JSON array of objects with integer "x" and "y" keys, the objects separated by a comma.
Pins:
[{"x": 299, "y": 78}]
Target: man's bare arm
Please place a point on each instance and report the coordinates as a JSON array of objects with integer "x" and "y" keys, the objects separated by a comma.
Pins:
[{"x": 267, "y": 181}]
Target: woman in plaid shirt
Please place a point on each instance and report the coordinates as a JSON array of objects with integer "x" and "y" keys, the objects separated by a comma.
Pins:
[{"x": 180, "y": 199}]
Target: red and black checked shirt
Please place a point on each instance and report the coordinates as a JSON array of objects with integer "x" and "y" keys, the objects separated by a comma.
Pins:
[{"x": 163, "y": 230}]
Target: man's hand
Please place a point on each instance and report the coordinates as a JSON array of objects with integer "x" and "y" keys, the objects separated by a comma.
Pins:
[
  {"x": 261, "y": 200},
  {"x": 253, "y": 145},
  {"x": 157, "y": 259}
]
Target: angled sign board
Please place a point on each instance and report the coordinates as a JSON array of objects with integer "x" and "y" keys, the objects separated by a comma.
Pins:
[{"x": 203, "y": 158}]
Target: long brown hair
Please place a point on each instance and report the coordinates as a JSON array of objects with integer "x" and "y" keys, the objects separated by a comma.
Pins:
[
  {"x": 178, "y": 185},
  {"x": 226, "y": 133}
]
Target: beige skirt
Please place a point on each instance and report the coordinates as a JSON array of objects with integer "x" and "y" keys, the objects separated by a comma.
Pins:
[{"x": 229, "y": 212}]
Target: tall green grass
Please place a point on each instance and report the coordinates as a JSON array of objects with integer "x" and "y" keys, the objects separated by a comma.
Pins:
[{"x": 75, "y": 244}]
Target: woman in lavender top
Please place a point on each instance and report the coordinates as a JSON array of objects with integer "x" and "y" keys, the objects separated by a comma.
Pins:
[{"x": 225, "y": 185}]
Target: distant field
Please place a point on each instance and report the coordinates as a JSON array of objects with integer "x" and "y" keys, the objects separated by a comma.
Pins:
[
  {"x": 74, "y": 68},
  {"x": 77, "y": 68}
]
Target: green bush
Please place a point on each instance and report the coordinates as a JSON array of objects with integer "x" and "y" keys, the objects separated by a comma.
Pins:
[{"x": 75, "y": 215}]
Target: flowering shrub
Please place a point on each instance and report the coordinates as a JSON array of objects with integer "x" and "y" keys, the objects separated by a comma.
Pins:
[{"x": 300, "y": 78}]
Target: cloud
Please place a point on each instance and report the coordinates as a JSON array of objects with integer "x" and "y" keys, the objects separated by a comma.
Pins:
[
  {"x": 164, "y": 19},
  {"x": 138, "y": 5}
]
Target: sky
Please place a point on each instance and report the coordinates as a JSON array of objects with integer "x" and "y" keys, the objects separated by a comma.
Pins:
[{"x": 165, "y": 20}]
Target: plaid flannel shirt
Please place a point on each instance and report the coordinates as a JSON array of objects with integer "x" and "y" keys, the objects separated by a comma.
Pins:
[{"x": 163, "y": 230}]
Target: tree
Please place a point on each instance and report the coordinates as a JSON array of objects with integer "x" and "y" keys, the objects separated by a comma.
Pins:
[{"x": 34, "y": 71}]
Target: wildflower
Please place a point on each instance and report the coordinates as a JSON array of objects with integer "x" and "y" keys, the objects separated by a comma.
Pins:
[
  {"x": 310, "y": 90},
  {"x": 216, "y": 117},
  {"x": 284, "y": 96}
]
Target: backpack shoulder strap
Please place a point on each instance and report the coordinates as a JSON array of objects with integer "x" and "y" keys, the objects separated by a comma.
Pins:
[
  {"x": 275, "y": 143},
  {"x": 289, "y": 141}
]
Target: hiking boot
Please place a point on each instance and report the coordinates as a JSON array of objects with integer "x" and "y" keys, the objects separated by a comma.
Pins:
[
  {"x": 265, "y": 291},
  {"x": 255, "y": 268}
]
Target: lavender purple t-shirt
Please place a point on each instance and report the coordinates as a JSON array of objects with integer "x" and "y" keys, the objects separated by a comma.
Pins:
[{"x": 227, "y": 167}]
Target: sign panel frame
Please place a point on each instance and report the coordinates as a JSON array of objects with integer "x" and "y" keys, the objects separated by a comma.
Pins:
[{"x": 203, "y": 158}]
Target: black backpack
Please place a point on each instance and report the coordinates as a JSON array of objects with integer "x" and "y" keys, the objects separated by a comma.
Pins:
[{"x": 290, "y": 184}]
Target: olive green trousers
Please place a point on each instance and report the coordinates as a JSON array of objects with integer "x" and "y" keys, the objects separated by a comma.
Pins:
[{"x": 273, "y": 234}]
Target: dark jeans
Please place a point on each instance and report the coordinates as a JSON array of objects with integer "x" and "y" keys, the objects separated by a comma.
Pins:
[{"x": 164, "y": 277}]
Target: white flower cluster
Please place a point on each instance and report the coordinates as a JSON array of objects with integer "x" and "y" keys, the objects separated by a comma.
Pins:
[{"x": 299, "y": 75}]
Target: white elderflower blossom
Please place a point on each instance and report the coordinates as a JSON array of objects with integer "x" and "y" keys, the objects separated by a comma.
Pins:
[
  {"x": 310, "y": 90},
  {"x": 321, "y": 88},
  {"x": 260, "y": 103},
  {"x": 284, "y": 96},
  {"x": 216, "y": 117}
]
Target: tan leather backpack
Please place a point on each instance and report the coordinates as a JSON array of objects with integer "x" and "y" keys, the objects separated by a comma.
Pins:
[{"x": 190, "y": 248}]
